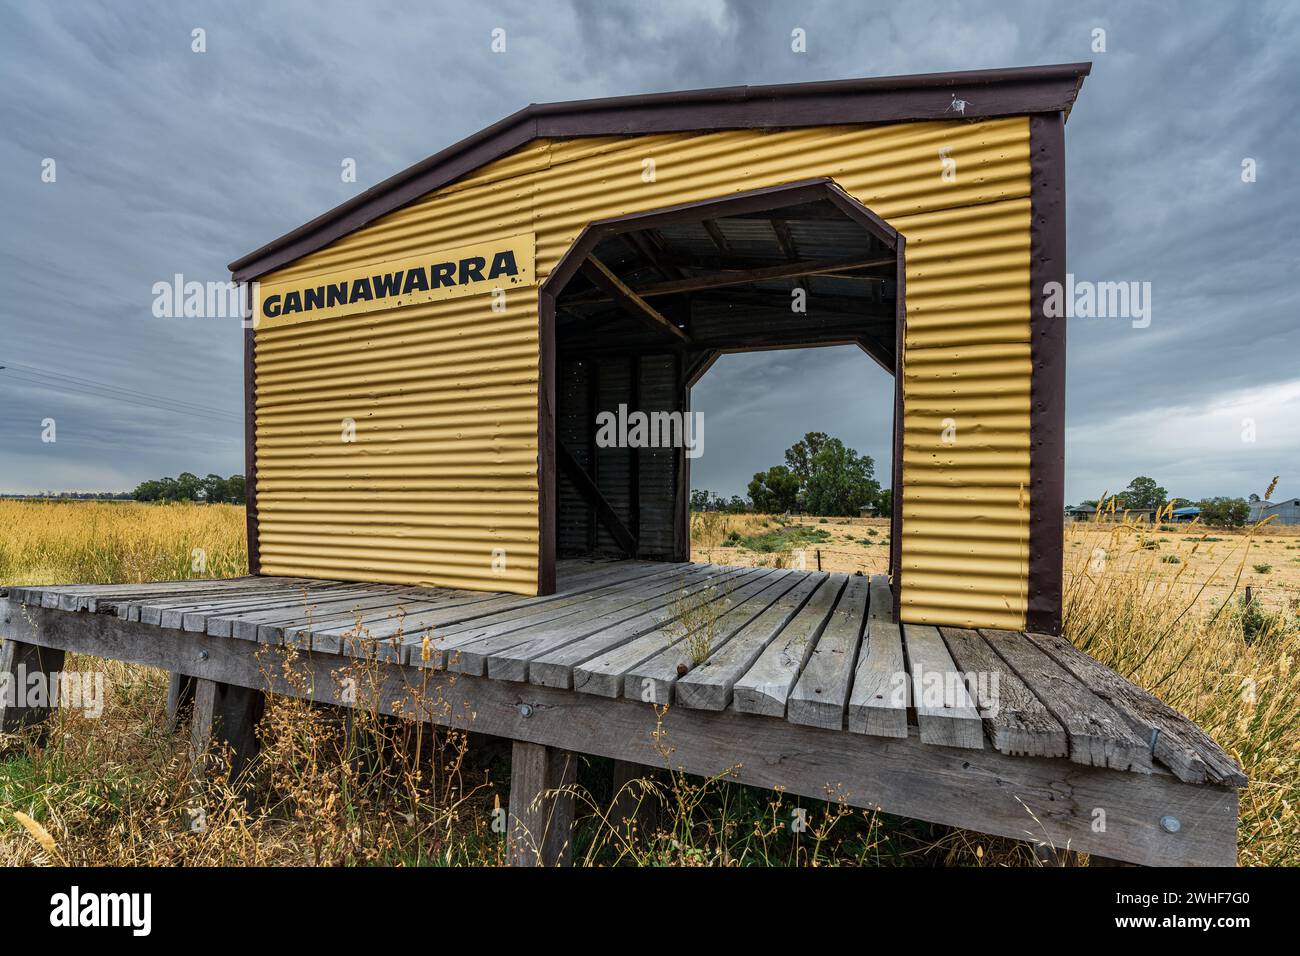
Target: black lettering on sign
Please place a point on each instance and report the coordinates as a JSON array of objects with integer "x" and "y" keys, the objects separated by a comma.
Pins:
[
  {"x": 503, "y": 263},
  {"x": 441, "y": 274},
  {"x": 361, "y": 290},
  {"x": 387, "y": 285}
]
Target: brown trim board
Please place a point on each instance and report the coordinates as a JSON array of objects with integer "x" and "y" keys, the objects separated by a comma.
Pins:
[
  {"x": 250, "y": 448},
  {"x": 1047, "y": 387},
  {"x": 968, "y": 95},
  {"x": 547, "y": 491},
  {"x": 896, "y": 478}
]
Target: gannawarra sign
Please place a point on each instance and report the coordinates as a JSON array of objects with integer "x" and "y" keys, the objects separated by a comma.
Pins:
[{"x": 498, "y": 264}]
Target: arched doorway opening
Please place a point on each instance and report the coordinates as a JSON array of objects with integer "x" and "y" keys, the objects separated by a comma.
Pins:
[{"x": 641, "y": 306}]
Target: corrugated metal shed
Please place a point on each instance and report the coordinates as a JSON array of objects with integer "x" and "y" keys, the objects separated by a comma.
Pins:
[{"x": 446, "y": 481}]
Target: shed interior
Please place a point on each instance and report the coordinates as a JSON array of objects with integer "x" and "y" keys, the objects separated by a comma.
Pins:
[{"x": 652, "y": 301}]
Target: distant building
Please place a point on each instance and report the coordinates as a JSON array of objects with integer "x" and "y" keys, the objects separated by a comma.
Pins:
[
  {"x": 1286, "y": 511},
  {"x": 867, "y": 511},
  {"x": 1190, "y": 513},
  {"x": 1081, "y": 513}
]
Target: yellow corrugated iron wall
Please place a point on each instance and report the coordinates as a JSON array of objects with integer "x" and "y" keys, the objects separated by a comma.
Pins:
[{"x": 447, "y": 472}]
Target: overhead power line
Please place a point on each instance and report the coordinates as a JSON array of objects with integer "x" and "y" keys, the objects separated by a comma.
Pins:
[{"x": 62, "y": 382}]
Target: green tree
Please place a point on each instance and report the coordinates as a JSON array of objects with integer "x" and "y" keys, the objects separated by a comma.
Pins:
[
  {"x": 148, "y": 491},
  {"x": 700, "y": 499},
  {"x": 235, "y": 489},
  {"x": 840, "y": 481},
  {"x": 214, "y": 489},
  {"x": 1142, "y": 493},
  {"x": 799, "y": 456},
  {"x": 885, "y": 503},
  {"x": 1224, "y": 512},
  {"x": 774, "y": 491},
  {"x": 188, "y": 487}
]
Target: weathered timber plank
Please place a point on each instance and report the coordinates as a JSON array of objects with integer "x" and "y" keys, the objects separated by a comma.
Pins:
[
  {"x": 174, "y": 615},
  {"x": 336, "y": 632},
  {"x": 77, "y": 597},
  {"x": 654, "y": 680},
  {"x": 944, "y": 709},
  {"x": 1016, "y": 721},
  {"x": 20, "y": 663},
  {"x": 386, "y": 637},
  {"x": 246, "y": 624},
  {"x": 180, "y": 700},
  {"x": 509, "y": 657},
  {"x": 464, "y": 647},
  {"x": 104, "y": 598},
  {"x": 392, "y": 624},
  {"x": 149, "y": 610},
  {"x": 100, "y": 598},
  {"x": 821, "y": 693},
  {"x": 197, "y": 620},
  {"x": 765, "y": 687},
  {"x": 878, "y": 700},
  {"x": 604, "y": 674},
  {"x": 1016, "y": 797},
  {"x": 1179, "y": 744},
  {"x": 225, "y": 713},
  {"x": 708, "y": 685},
  {"x": 1099, "y": 735},
  {"x": 636, "y": 806},
  {"x": 469, "y": 652},
  {"x": 540, "y": 826},
  {"x": 127, "y": 606},
  {"x": 551, "y": 655}
]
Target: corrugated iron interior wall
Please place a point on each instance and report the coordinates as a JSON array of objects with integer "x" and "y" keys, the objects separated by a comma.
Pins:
[
  {"x": 639, "y": 483},
  {"x": 444, "y": 473}
]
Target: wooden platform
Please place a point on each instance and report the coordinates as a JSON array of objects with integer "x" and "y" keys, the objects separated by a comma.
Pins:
[{"x": 806, "y": 683}]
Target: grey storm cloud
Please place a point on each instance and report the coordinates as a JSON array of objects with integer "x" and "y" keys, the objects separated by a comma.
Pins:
[{"x": 171, "y": 161}]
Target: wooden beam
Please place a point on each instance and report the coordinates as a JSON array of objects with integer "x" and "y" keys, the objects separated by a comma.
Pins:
[
  {"x": 225, "y": 713},
  {"x": 540, "y": 828},
  {"x": 593, "y": 450},
  {"x": 699, "y": 363},
  {"x": 615, "y": 288},
  {"x": 817, "y": 302},
  {"x": 876, "y": 353},
  {"x": 784, "y": 270},
  {"x": 20, "y": 664},
  {"x": 781, "y": 229},
  {"x": 715, "y": 233},
  {"x": 1024, "y": 798},
  {"x": 651, "y": 254},
  {"x": 635, "y": 806},
  {"x": 604, "y": 510},
  {"x": 180, "y": 700}
]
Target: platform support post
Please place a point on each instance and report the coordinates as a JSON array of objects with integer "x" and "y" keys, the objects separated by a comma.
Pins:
[
  {"x": 228, "y": 713},
  {"x": 539, "y": 830},
  {"x": 180, "y": 698},
  {"x": 19, "y": 664},
  {"x": 634, "y": 804}
]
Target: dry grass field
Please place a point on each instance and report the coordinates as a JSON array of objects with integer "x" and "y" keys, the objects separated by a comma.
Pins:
[{"x": 118, "y": 789}]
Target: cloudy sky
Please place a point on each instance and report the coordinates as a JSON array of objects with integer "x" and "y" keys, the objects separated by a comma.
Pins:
[{"x": 170, "y": 161}]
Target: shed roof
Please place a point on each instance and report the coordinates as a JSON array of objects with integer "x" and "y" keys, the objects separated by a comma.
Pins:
[{"x": 969, "y": 94}]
